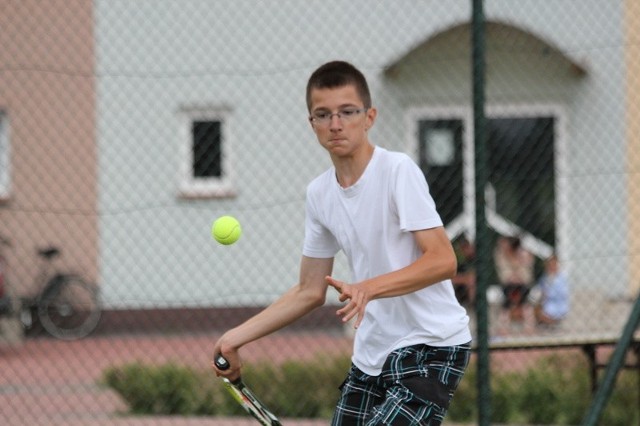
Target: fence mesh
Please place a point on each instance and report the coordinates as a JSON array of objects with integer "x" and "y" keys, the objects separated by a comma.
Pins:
[{"x": 127, "y": 127}]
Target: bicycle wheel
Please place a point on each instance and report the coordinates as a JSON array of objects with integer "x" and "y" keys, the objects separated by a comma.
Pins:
[{"x": 69, "y": 308}]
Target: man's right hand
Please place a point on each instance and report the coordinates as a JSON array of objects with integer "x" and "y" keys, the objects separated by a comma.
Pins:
[{"x": 232, "y": 372}]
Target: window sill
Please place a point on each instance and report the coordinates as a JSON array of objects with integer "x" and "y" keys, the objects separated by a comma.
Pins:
[{"x": 206, "y": 194}]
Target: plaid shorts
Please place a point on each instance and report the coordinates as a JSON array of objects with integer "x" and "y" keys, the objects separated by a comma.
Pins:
[{"x": 414, "y": 388}]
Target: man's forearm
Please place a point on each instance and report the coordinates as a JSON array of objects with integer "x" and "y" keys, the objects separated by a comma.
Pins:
[{"x": 291, "y": 306}]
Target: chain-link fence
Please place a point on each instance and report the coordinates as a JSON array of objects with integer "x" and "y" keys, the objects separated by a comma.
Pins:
[{"x": 127, "y": 127}]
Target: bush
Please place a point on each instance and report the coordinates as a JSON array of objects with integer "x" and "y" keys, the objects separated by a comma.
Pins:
[
  {"x": 293, "y": 389},
  {"x": 556, "y": 390},
  {"x": 298, "y": 388},
  {"x": 167, "y": 389},
  {"x": 623, "y": 408},
  {"x": 539, "y": 397},
  {"x": 505, "y": 398},
  {"x": 464, "y": 405}
]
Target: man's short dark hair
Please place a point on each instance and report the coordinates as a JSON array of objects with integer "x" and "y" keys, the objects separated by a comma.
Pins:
[{"x": 339, "y": 74}]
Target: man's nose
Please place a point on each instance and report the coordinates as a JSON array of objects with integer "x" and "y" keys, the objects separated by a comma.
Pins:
[{"x": 336, "y": 121}]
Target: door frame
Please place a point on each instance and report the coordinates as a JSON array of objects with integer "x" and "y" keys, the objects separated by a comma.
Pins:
[{"x": 466, "y": 223}]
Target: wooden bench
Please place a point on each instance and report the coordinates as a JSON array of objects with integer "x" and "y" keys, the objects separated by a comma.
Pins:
[{"x": 589, "y": 343}]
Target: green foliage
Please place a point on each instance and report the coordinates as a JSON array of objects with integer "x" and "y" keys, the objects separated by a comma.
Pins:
[
  {"x": 464, "y": 405},
  {"x": 505, "y": 396},
  {"x": 166, "y": 389},
  {"x": 556, "y": 390},
  {"x": 293, "y": 389},
  {"x": 625, "y": 411},
  {"x": 539, "y": 397}
]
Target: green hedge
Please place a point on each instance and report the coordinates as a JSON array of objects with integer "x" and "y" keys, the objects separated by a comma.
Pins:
[
  {"x": 293, "y": 389},
  {"x": 556, "y": 390}
]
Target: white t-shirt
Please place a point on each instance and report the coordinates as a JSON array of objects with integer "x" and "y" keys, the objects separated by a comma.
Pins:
[{"x": 371, "y": 222}]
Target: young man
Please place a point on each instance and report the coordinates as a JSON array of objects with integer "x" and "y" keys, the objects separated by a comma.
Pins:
[{"x": 412, "y": 341}]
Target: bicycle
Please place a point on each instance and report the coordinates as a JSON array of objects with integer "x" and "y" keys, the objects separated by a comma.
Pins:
[{"x": 66, "y": 305}]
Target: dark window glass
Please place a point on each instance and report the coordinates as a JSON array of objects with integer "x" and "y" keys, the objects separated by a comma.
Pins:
[
  {"x": 522, "y": 172},
  {"x": 207, "y": 149}
]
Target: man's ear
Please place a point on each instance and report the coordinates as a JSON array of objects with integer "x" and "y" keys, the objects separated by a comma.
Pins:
[{"x": 372, "y": 113}]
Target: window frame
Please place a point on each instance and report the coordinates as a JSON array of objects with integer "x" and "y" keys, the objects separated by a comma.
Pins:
[{"x": 189, "y": 185}]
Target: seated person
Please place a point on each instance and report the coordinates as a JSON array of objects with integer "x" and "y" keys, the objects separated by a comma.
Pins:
[
  {"x": 554, "y": 294},
  {"x": 514, "y": 267}
]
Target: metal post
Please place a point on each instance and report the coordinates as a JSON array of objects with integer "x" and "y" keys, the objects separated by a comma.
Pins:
[
  {"x": 482, "y": 241},
  {"x": 590, "y": 352}
]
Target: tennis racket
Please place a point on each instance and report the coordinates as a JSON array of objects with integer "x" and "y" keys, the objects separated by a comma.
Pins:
[{"x": 246, "y": 398}]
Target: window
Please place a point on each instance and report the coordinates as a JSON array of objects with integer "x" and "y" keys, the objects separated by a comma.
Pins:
[
  {"x": 206, "y": 169},
  {"x": 206, "y": 137},
  {"x": 440, "y": 150},
  {"x": 5, "y": 157}
]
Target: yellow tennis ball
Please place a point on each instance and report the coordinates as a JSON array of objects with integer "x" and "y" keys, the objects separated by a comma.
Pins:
[{"x": 226, "y": 230}]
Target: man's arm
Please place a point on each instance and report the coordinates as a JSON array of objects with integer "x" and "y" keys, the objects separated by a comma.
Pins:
[
  {"x": 301, "y": 299},
  {"x": 437, "y": 263}
]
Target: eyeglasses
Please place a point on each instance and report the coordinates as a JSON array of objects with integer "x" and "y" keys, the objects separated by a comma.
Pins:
[{"x": 323, "y": 118}]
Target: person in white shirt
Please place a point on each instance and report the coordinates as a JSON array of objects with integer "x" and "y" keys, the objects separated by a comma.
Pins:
[
  {"x": 412, "y": 340},
  {"x": 553, "y": 287}
]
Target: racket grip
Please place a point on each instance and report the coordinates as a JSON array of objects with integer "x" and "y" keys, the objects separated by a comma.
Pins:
[{"x": 221, "y": 362}]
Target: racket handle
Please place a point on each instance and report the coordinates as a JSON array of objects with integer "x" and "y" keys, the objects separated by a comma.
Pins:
[{"x": 221, "y": 362}]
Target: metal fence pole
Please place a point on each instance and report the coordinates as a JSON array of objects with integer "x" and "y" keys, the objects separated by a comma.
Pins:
[{"x": 482, "y": 243}]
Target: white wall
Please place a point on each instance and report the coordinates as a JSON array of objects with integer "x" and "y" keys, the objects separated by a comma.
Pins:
[{"x": 156, "y": 57}]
